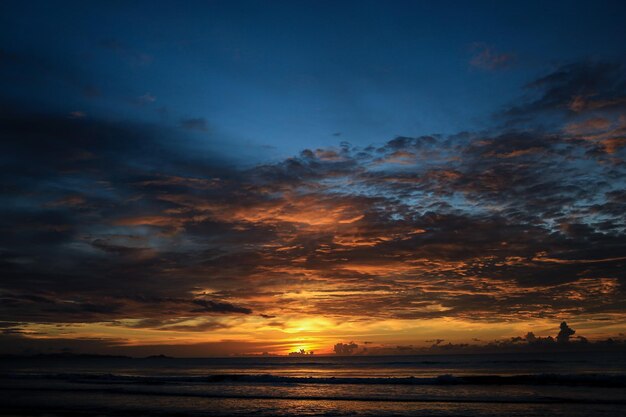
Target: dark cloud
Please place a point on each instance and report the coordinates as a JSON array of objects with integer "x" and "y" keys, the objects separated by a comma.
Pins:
[
  {"x": 516, "y": 344},
  {"x": 217, "y": 307},
  {"x": 574, "y": 90},
  {"x": 118, "y": 222},
  {"x": 345, "y": 348},
  {"x": 69, "y": 306},
  {"x": 565, "y": 333}
]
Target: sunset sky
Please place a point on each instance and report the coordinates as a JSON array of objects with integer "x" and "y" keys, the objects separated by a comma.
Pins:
[{"x": 217, "y": 178}]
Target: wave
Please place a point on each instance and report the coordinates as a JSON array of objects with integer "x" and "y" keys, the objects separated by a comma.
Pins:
[
  {"x": 543, "y": 379},
  {"x": 359, "y": 398},
  {"x": 585, "y": 380}
]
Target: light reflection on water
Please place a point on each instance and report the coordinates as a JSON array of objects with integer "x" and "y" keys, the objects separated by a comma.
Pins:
[
  {"x": 122, "y": 405},
  {"x": 183, "y": 386}
]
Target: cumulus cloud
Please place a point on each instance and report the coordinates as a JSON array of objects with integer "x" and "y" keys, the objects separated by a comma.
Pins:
[
  {"x": 528, "y": 343},
  {"x": 565, "y": 333},
  {"x": 345, "y": 348}
]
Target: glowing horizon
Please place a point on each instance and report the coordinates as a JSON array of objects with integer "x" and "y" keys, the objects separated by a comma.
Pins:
[{"x": 263, "y": 179}]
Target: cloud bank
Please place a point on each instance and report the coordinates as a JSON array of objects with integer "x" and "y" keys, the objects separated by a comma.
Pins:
[{"x": 127, "y": 224}]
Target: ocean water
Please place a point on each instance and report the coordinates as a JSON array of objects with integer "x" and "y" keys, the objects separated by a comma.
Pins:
[{"x": 564, "y": 384}]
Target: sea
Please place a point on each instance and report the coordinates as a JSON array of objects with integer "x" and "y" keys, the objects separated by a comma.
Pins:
[{"x": 520, "y": 384}]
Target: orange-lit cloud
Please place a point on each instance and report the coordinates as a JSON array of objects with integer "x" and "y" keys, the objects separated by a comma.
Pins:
[{"x": 475, "y": 235}]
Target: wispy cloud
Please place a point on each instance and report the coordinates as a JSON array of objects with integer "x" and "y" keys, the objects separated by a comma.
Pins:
[{"x": 485, "y": 57}]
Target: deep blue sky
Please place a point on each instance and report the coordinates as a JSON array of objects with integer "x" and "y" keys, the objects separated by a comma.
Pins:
[{"x": 264, "y": 80}]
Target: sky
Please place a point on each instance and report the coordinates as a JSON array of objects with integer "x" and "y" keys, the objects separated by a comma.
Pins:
[{"x": 238, "y": 177}]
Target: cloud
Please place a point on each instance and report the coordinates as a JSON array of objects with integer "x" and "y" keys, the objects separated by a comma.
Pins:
[
  {"x": 219, "y": 307},
  {"x": 565, "y": 333},
  {"x": 345, "y": 348},
  {"x": 578, "y": 89},
  {"x": 515, "y": 344},
  {"x": 144, "y": 99},
  {"x": 487, "y": 58},
  {"x": 109, "y": 222},
  {"x": 68, "y": 307}
]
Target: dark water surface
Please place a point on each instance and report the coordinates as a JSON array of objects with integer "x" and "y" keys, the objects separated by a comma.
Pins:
[{"x": 564, "y": 384}]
